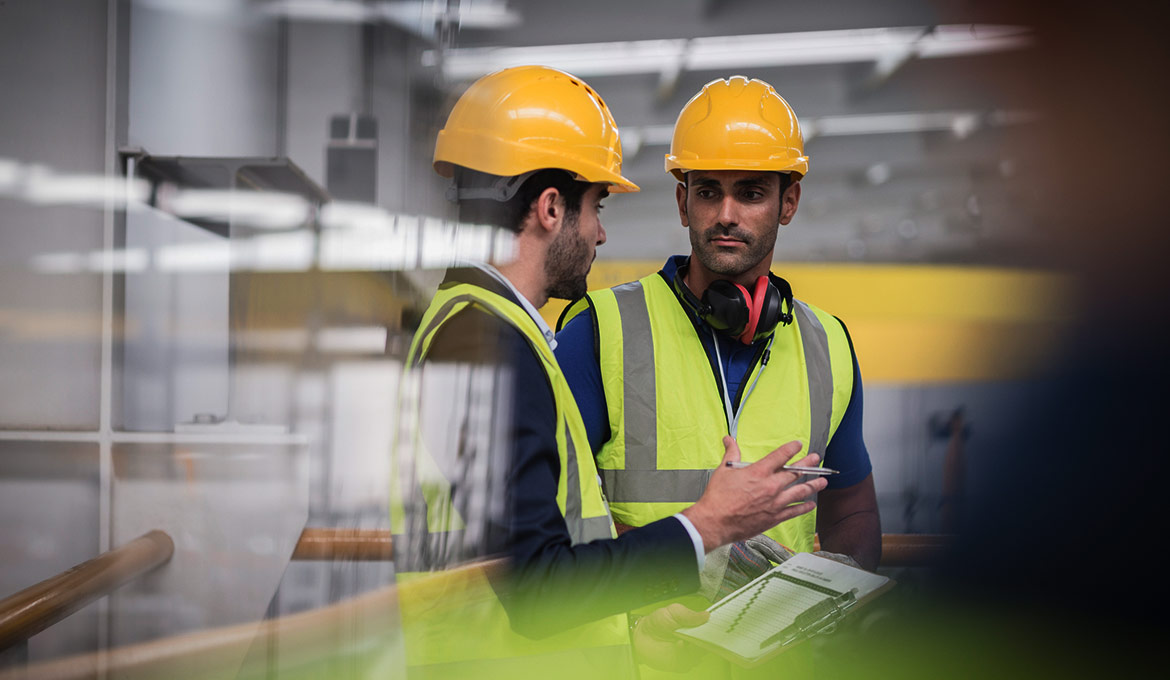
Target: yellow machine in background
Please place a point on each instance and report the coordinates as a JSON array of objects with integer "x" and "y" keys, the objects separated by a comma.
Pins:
[{"x": 917, "y": 324}]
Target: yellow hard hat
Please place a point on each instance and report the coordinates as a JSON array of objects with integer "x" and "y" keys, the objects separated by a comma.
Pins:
[
  {"x": 737, "y": 124},
  {"x": 529, "y": 118}
]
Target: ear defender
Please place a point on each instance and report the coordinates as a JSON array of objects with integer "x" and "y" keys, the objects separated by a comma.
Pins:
[
  {"x": 731, "y": 310},
  {"x": 755, "y": 306}
]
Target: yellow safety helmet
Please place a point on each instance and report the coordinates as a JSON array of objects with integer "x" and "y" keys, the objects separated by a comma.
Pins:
[
  {"x": 528, "y": 118},
  {"x": 737, "y": 124}
]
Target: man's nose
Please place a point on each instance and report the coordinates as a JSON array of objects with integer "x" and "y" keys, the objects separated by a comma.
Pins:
[
  {"x": 728, "y": 212},
  {"x": 600, "y": 234}
]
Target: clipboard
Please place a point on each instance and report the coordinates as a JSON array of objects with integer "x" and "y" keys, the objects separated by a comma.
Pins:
[{"x": 790, "y": 603}]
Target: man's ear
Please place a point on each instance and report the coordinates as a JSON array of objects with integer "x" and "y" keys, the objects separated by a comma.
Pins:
[
  {"x": 789, "y": 201},
  {"x": 549, "y": 209},
  {"x": 680, "y": 195}
]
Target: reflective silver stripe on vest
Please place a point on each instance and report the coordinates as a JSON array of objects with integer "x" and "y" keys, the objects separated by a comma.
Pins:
[
  {"x": 437, "y": 320},
  {"x": 596, "y": 528},
  {"x": 573, "y": 490},
  {"x": 581, "y": 529},
  {"x": 640, "y": 409},
  {"x": 655, "y": 486},
  {"x": 820, "y": 377},
  {"x": 640, "y": 482}
]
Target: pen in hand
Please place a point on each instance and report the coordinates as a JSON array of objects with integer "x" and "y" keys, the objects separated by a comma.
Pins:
[{"x": 791, "y": 468}]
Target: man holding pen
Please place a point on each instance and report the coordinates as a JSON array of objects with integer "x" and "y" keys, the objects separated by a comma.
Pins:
[{"x": 535, "y": 151}]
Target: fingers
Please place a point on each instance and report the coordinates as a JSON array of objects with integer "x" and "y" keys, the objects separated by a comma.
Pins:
[
  {"x": 780, "y": 457},
  {"x": 811, "y": 460},
  {"x": 794, "y": 500},
  {"x": 796, "y": 511},
  {"x": 731, "y": 450},
  {"x": 799, "y": 492}
]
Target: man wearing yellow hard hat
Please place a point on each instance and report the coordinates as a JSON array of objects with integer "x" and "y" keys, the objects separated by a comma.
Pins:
[
  {"x": 715, "y": 344},
  {"x": 534, "y": 151}
]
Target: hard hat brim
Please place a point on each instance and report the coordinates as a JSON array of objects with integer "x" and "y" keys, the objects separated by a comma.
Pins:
[
  {"x": 508, "y": 158},
  {"x": 796, "y": 166}
]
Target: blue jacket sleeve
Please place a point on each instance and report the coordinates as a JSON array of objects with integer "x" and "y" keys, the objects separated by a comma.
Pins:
[
  {"x": 555, "y": 585},
  {"x": 577, "y": 355}
]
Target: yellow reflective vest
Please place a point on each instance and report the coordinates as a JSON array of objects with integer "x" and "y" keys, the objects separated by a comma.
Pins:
[
  {"x": 665, "y": 405},
  {"x": 456, "y": 627}
]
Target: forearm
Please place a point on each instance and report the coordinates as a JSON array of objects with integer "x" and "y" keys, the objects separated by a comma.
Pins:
[
  {"x": 858, "y": 535},
  {"x": 848, "y": 522}
]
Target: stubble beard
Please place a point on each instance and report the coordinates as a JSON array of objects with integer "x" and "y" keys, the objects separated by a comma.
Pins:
[
  {"x": 731, "y": 264},
  {"x": 567, "y": 265}
]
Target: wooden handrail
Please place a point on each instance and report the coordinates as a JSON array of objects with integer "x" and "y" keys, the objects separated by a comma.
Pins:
[
  {"x": 898, "y": 550},
  {"x": 910, "y": 550},
  {"x": 37, "y": 607},
  {"x": 345, "y": 544},
  {"x": 364, "y": 625},
  {"x": 366, "y": 622}
]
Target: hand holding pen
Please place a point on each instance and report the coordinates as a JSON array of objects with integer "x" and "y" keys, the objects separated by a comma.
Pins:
[{"x": 740, "y": 503}]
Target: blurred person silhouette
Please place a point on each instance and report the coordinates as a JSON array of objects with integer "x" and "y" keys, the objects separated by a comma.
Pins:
[{"x": 1056, "y": 571}]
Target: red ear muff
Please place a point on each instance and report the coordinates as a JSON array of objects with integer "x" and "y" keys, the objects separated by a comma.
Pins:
[
  {"x": 730, "y": 310},
  {"x": 755, "y": 305}
]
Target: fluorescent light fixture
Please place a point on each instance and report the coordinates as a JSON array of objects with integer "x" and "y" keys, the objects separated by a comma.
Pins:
[
  {"x": 204, "y": 7},
  {"x": 341, "y": 11},
  {"x": 371, "y": 245},
  {"x": 58, "y": 263},
  {"x": 11, "y": 175},
  {"x": 194, "y": 257},
  {"x": 960, "y": 123},
  {"x": 419, "y": 16},
  {"x": 349, "y": 215},
  {"x": 276, "y": 252},
  {"x": 273, "y": 340},
  {"x": 128, "y": 260},
  {"x": 352, "y": 340},
  {"x": 44, "y": 187},
  {"x": 362, "y": 237},
  {"x": 263, "y": 210},
  {"x": 424, "y": 14},
  {"x": 879, "y": 45}
]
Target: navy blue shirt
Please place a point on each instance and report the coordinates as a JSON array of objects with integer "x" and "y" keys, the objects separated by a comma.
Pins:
[
  {"x": 553, "y": 584},
  {"x": 577, "y": 356}
]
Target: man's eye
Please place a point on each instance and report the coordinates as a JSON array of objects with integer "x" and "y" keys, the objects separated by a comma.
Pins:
[
  {"x": 705, "y": 194},
  {"x": 753, "y": 195},
  {"x": 600, "y": 206}
]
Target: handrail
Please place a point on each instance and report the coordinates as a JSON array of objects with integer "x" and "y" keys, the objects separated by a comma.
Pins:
[
  {"x": 363, "y": 625},
  {"x": 898, "y": 550},
  {"x": 345, "y": 544},
  {"x": 365, "y": 622},
  {"x": 37, "y": 607},
  {"x": 910, "y": 550}
]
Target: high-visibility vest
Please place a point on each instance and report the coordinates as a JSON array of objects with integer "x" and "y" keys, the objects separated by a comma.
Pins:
[
  {"x": 666, "y": 411},
  {"x": 459, "y": 628}
]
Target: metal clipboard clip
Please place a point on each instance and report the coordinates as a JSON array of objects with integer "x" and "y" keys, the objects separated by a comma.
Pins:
[{"x": 819, "y": 618}]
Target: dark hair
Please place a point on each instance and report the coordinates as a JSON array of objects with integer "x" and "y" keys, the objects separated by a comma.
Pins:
[{"x": 510, "y": 214}]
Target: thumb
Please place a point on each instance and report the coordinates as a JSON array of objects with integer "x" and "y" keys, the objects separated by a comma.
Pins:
[
  {"x": 684, "y": 617},
  {"x": 731, "y": 450}
]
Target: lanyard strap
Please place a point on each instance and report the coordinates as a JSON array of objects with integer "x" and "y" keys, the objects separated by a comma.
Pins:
[{"x": 733, "y": 417}]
